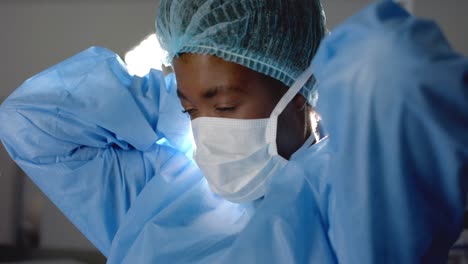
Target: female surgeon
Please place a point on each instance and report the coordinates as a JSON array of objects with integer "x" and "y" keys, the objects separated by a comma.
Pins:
[{"x": 385, "y": 183}]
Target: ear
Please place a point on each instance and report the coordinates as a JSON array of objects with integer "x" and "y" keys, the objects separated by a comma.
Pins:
[{"x": 299, "y": 102}]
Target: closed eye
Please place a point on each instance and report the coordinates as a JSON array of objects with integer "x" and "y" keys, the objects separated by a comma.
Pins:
[
  {"x": 225, "y": 109},
  {"x": 189, "y": 111}
]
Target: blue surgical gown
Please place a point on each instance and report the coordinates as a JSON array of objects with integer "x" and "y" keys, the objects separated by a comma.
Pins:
[{"x": 387, "y": 185}]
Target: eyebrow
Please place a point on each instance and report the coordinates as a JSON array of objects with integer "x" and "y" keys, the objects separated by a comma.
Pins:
[
  {"x": 181, "y": 95},
  {"x": 213, "y": 91}
]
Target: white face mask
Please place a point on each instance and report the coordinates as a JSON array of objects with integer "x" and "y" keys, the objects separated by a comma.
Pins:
[{"x": 239, "y": 156}]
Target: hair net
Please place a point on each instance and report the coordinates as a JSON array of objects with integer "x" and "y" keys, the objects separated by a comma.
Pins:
[{"x": 276, "y": 37}]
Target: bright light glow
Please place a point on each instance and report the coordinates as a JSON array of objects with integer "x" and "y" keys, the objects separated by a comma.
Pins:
[
  {"x": 144, "y": 57},
  {"x": 314, "y": 121}
]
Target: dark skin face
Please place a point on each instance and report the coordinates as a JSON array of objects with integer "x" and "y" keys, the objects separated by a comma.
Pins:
[{"x": 211, "y": 87}]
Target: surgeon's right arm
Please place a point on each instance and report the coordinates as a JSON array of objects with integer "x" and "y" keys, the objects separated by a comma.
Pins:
[{"x": 85, "y": 132}]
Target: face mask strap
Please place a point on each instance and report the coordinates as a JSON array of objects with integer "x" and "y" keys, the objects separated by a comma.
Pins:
[{"x": 282, "y": 104}]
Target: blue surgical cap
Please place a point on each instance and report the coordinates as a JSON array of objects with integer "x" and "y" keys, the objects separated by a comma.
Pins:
[{"x": 275, "y": 37}]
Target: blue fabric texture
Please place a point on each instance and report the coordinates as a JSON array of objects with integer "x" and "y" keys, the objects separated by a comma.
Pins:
[
  {"x": 256, "y": 34},
  {"x": 387, "y": 185},
  {"x": 394, "y": 100}
]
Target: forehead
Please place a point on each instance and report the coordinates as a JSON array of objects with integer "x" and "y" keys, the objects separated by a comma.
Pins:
[
  {"x": 192, "y": 69},
  {"x": 197, "y": 73}
]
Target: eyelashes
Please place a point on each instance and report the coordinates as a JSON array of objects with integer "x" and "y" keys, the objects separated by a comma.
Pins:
[
  {"x": 188, "y": 111},
  {"x": 192, "y": 111}
]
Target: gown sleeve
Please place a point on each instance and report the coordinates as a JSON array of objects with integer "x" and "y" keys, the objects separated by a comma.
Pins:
[
  {"x": 394, "y": 100},
  {"x": 90, "y": 136}
]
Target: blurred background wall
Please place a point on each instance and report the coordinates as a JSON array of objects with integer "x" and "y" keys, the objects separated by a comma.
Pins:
[{"x": 36, "y": 34}]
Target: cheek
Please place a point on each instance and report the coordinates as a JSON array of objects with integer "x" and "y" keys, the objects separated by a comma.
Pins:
[
  {"x": 256, "y": 108},
  {"x": 260, "y": 101}
]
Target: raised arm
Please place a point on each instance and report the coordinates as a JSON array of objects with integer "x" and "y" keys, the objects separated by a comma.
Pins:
[
  {"x": 91, "y": 136},
  {"x": 394, "y": 98}
]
